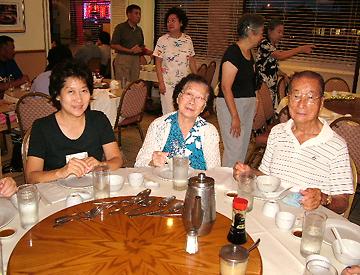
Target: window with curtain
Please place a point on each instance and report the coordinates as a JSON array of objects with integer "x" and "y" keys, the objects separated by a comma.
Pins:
[{"x": 332, "y": 25}]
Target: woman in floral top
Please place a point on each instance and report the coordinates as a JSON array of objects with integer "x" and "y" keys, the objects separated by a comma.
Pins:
[
  {"x": 183, "y": 132},
  {"x": 268, "y": 56},
  {"x": 174, "y": 56}
]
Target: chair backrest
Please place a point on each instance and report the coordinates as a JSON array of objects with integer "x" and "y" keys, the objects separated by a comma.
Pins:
[
  {"x": 351, "y": 197},
  {"x": 349, "y": 129},
  {"x": 336, "y": 84},
  {"x": 25, "y": 147},
  {"x": 266, "y": 98},
  {"x": 202, "y": 70},
  {"x": 284, "y": 114},
  {"x": 259, "y": 121},
  {"x": 282, "y": 87},
  {"x": 210, "y": 72},
  {"x": 132, "y": 102},
  {"x": 94, "y": 64},
  {"x": 31, "y": 107}
]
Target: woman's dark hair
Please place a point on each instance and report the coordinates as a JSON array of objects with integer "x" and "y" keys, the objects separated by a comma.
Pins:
[
  {"x": 272, "y": 24},
  {"x": 104, "y": 38},
  {"x": 180, "y": 14},
  {"x": 185, "y": 81},
  {"x": 249, "y": 22},
  {"x": 62, "y": 72},
  {"x": 60, "y": 53},
  {"x": 308, "y": 74}
]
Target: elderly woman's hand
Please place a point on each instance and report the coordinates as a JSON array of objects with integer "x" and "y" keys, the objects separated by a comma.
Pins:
[
  {"x": 240, "y": 168},
  {"x": 159, "y": 158},
  {"x": 311, "y": 199},
  {"x": 7, "y": 187},
  {"x": 351, "y": 270},
  {"x": 307, "y": 48}
]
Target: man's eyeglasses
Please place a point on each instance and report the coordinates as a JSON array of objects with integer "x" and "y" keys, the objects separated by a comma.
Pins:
[
  {"x": 309, "y": 98},
  {"x": 189, "y": 96}
]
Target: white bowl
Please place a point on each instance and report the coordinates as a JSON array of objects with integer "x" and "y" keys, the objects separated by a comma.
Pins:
[
  {"x": 284, "y": 220},
  {"x": 116, "y": 182},
  {"x": 267, "y": 183},
  {"x": 136, "y": 179},
  {"x": 317, "y": 257},
  {"x": 270, "y": 208},
  {"x": 353, "y": 249}
]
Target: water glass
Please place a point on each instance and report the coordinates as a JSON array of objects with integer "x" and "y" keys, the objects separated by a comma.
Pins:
[
  {"x": 312, "y": 233},
  {"x": 101, "y": 182},
  {"x": 180, "y": 172},
  {"x": 246, "y": 187},
  {"x": 28, "y": 205},
  {"x": 319, "y": 267}
]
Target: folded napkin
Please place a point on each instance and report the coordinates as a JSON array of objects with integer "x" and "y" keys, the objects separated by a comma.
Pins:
[
  {"x": 51, "y": 192},
  {"x": 293, "y": 199}
]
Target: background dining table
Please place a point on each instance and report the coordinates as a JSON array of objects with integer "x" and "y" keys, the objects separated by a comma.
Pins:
[{"x": 279, "y": 250}]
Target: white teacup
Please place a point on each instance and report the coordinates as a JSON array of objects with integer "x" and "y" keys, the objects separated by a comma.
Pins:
[
  {"x": 285, "y": 220},
  {"x": 73, "y": 199},
  {"x": 270, "y": 209},
  {"x": 116, "y": 183},
  {"x": 136, "y": 179}
]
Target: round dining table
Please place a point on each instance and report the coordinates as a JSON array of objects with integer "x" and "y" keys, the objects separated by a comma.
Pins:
[{"x": 148, "y": 245}]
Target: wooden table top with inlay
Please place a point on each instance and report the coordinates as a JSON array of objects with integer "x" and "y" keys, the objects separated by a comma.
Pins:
[{"x": 117, "y": 244}]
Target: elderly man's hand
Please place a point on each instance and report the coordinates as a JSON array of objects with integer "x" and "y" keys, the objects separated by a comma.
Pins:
[
  {"x": 311, "y": 199},
  {"x": 240, "y": 168}
]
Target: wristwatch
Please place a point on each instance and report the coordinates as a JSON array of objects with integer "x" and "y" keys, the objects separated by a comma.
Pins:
[{"x": 326, "y": 200}]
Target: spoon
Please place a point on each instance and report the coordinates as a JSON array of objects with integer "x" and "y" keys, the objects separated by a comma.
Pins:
[
  {"x": 340, "y": 240},
  {"x": 144, "y": 203},
  {"x": 254, "y": 245},
  {"x": 176, "y": 208},
  {"x": 141, "y": 196},
  {"x": 90, "y": 214}
]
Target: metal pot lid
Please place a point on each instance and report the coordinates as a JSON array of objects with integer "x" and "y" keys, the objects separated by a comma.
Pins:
[
  {"x": 201, "y": 180},
  {"x": 234, "y": 253}
]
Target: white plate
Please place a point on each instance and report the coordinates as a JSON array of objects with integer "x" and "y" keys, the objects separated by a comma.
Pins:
[
  {"x": 166, "y": 174},
  {"x": 347, "y": 230},
  {"x": 279, "y": 194},
  {"x": 77, "y": 183},
  {"x": 7, "y": 212}
]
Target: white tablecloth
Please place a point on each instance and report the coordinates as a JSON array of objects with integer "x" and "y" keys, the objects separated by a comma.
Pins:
[
  {"x": 104, "y": 102},
  {"x": 280, "y": 251}
]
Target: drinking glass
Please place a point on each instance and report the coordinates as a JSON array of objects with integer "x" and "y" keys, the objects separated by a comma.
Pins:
[
  {"x": 28, "y": 205},
  {"x": 312, "y": 233},
  {"x": 101, "y": 182},
  {"x": 319, "y": 267},
  {"x": 246, "y": 187},
  {"x": 180, "y": 172},
  {"x": 233, "y": 260}
]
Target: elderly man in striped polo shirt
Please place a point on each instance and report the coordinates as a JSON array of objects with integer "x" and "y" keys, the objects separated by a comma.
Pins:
[{"x": 305, "y": 153}]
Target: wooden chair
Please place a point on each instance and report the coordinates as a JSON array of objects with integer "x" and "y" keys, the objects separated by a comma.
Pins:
[
  {"x": 336, "y": 84},
  {"x": 25, "y": 147},
  {"x": 284, "y": 114},
  {"x": 210, "y": 72},
  {"x": 266, "y": 98},
  {"x": 355, "y": 180},
  {"x": 131, "y": 108},
  {"x": 202, "y": 70},
  {"x": 31, "y": 107}
]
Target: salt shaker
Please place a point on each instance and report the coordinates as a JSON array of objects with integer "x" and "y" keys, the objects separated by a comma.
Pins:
[{"x": 192, "y": 242}]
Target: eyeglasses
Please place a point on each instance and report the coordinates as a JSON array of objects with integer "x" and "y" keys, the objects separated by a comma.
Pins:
[
  {"x": 309, "y": 98},
  {"x": 189, "y": 96}
]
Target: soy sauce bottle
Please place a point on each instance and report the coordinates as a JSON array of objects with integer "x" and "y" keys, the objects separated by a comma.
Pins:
[{"x": 237, "y": 233}]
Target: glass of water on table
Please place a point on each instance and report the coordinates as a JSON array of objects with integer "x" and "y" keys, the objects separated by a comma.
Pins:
[
  {"x": 312, "y": 233},
  {"x": 28, "y": 204},
  {"x": 180, "y": 172},
  {"x": 101, "y": 182}
]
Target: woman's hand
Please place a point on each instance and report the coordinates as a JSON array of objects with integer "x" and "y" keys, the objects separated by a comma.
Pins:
[
  {"x": 162, "y": 88},
  {"x": 77, "y": 167},
  {"x": 351, "y": 270},
  {"x": 91, "y": 162},
  {"x": 159, "y": 158},
  {"x": 240, "y": 168},
  {"x": 7, "y": 187},
  {"x": 307, "y": 48},
  {"x": 311, "y": 199},
  {"x": 235, "y": 129}
]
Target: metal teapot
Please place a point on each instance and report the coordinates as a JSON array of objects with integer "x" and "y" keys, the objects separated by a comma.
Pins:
[{"x": 199, "y": 205}]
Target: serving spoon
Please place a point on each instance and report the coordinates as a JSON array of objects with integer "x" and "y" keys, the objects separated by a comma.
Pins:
[
  {"x": 163, "y": 203},
  {"x": 342, "y": 246}
]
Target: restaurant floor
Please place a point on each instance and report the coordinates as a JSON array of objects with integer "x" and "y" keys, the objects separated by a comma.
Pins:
[{"x": 131, "y": 144}]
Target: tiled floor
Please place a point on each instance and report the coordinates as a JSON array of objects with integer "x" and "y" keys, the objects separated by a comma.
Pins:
[{"x": 131, "y": 144}]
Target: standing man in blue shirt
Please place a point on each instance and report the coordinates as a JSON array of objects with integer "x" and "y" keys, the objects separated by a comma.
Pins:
[{"x": 8, "y": 66}]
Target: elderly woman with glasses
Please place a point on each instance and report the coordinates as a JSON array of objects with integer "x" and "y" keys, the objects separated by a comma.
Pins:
[
  {"x": 305, "y": 153},
  {"x": 183, "y": 132}
]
